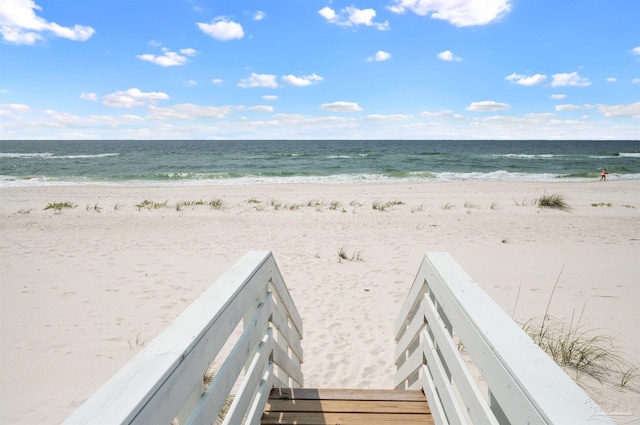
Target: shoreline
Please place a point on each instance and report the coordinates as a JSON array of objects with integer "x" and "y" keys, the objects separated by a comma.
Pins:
[{"x": 84, "y": 288}]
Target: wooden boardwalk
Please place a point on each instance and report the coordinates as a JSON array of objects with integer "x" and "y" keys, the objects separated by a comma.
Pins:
[{"x": 346, "y": 407}]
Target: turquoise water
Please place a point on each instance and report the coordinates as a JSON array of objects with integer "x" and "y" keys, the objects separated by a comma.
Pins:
[{"x": 182, "y": 162}]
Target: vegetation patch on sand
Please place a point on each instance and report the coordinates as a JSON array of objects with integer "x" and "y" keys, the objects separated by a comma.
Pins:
[
  {"x": 59, "y": 206},
  {"x": 555, "y": 201}
]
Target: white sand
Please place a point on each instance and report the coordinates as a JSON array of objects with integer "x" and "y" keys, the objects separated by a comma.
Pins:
[{"x": 82, "y": 290}]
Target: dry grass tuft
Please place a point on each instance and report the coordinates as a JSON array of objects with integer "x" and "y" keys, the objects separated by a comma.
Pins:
[{"x": 555, "y": 201}]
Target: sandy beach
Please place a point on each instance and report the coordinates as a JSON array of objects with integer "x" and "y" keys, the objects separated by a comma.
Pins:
[{"x": 83, "y": 289}]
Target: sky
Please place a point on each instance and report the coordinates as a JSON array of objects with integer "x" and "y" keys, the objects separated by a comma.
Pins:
[{"x": 307, "y": 69}]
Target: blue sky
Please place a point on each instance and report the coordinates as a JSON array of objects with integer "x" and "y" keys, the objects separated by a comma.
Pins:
[{"x": 393, "y": 69}]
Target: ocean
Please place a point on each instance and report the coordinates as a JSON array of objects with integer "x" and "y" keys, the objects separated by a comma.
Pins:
[{"x": 243, "y": 162}]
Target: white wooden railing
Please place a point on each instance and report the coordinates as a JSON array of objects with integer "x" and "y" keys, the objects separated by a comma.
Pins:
[
  {"x": 473, "y": 362},
  {"x": 164, "y": 382}
]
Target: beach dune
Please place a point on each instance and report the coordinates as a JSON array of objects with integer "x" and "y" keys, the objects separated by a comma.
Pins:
[{"x": 84, "y": 289}]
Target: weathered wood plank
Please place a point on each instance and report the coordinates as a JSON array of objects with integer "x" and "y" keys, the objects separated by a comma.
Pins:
[
  {"x": 348, "y": 406},
  {"x": 346, "y": 394},
  {"x": 299, "y": 418}
]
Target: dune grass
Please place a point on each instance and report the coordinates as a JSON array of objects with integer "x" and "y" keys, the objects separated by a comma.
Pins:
[
  {"x": 382, "y": 206},
  {"x": 59, "y": 206},
  {"x": 343, "y": 255},
  {"x": 583, "y": 351},
  {"x": 151, "y": 205},
  {"x": 555, "y": 201}
]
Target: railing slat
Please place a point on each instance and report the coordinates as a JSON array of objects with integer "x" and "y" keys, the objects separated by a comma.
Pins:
[
  {"x": 290, "y": 335},
  {"x": 249, "y": 386},
  {"x": 441, "y": 381},
  {"x": 430, "y": 392},
  {"x": 408, "y": 337},
  {"x": 475, "y": 404},
  {"x": 289, "y": 366},
  {"x": 214, "y": 398},
  {"x": 411, "y": 364},
  {"x": 285, "y": 296}
]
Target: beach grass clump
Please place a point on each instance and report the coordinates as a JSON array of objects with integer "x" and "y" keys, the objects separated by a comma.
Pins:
[
  {"x": 468, "y": 204},
  {"x": 151, "y": 205},
  {"x": 117, "y": 206},
  {"x": 276, "y": 205},
  {"x": 354, "y": 256},
  {"x": 214, "y": 203},
  {"x": 584, "y": 352},
  {"x": 25, "y": 210},
  {"x": 555, "y": 201},
  {"x": 523, "y": 203},
  {"x": 628, "y": 206},
  {"x": 419, "y": 208},
  {"x": 601, "y": 204},
  {"x": 494, "y": 205},
  {"x": 334, "y": 205},
  {"x": 382, "y": 206},
  {"x": 448, "y": 206},
  {"x": 59, "y": 206},
  {"x": 97, "y": 208},
  {"x": 253, "y": 201}
]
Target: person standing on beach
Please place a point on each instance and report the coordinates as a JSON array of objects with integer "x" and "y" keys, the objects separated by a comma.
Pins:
[{"x": 603, "y": 175}]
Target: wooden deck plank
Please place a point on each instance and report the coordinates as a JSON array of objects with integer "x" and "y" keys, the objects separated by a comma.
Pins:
[
  {"x": 348, "y": 406},
  {"x": 309, "y": 406},
  {"x": 346, "y": 394},
  {"x": 319, "y": 418}
]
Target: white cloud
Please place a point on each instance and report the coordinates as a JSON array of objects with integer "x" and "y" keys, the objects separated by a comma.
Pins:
[
  {"x": 259, "y": 15},
  {"x": 192, "y": 83},
  {"x": 19, "y": 24},
  {"x": 558, "y": 96},
  {"x": 169, "y": 58},
  {"x": 306, "y": 80},
  {"x": 13, "y": 108},
  {"x": 569, "y": 79},
  {"x": 487, "y": 106},
  {"x": 216, "y": 81},
  {"x": 635, "y": 51},
  {"x": 567, "y": 107},
  {"x": 442, "y": 114},
  {"x": 222, "y": 29},
  {"x": 258, "y": 80},
  {"x": 352, "y": 17},
  {"x": 328, "y": 13},
  {"x": 448, "y": 56},
  {"x": 630, "y": 110},
  {"x": 380, "y": 56},
  {"x": 341, "y": 106},
  {"x": 635, "y": 81},
  {"x": 389, "y": 117},
  {"x": 89, "y": 96},
  {"x": 189, "y": 51},
  {"x": 261, "y": 108},
  {"x": 611, "y": 80},
  {"x": 188, "y": 111},
  {"x": 524, "y": 80},
  {"x": 460, "y": 13},
  {"x": 132, "y": 98},
  {"x": 270, "y": 97}
]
